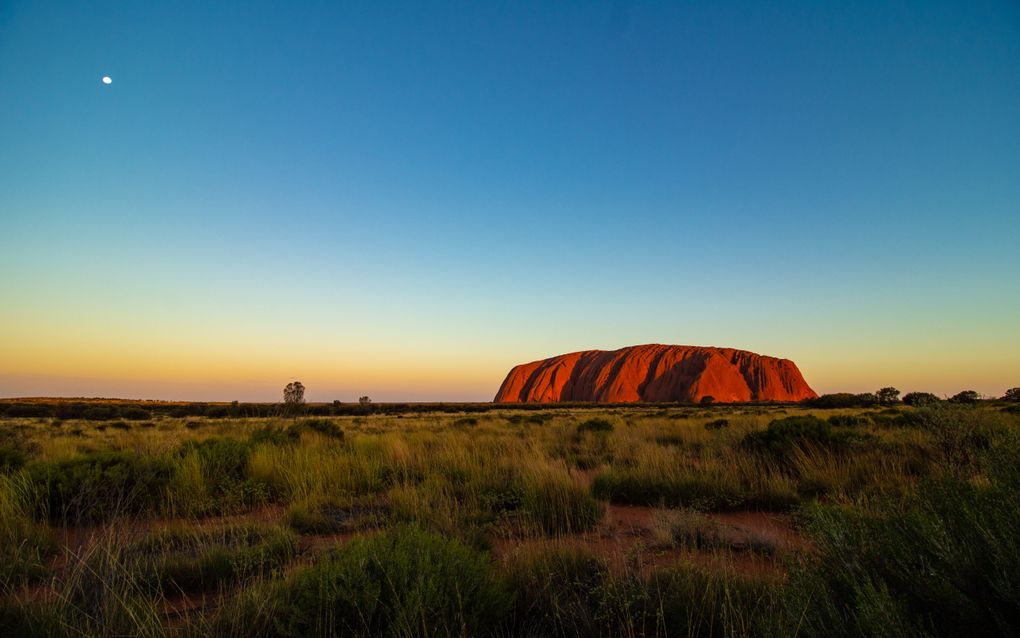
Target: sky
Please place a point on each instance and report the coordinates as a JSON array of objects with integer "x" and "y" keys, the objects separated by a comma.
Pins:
[{"x": 404, "y": 200}]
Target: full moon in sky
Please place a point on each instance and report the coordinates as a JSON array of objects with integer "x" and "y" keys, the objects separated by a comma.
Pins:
[{"x": 107, "y": 80}]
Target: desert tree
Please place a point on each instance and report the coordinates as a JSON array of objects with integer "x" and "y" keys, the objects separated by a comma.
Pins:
[
  {"x": 365, "y": 400},
  {"x": 967, "y": 396},
  {"x": 918, "y": 399},
  {"x": 1013, "y": 394},
  {"x": 888, "y": 395},
  {"x": 294, "y": 397}
]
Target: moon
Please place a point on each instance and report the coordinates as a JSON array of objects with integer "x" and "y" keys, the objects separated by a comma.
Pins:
[{"x": 107, "y": 79}]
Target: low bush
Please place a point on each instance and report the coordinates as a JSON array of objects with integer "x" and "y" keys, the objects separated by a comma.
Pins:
[
  {"x": 848, "y": 420},
  {"x": 401, "y": 582},
  {"x": 920, "y": 399},
  {"x": 99, "y": 486},
  {"x": 326, "y": 427},
  {"x": 784, "y": 436},
  {"x": 224, "y": 484},
  {"x": 595, "y": 425}
]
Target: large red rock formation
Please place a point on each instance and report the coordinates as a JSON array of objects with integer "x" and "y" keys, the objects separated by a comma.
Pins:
[{"x": 656, "y": 373}]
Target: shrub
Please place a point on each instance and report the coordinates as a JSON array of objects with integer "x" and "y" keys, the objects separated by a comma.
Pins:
[
  {"x": 717, "y": 424},
  {"x": 325, "y": 427},
  {"x": 100, "y": 413},
  {"x": 595, "y": 425},
  {"x": 783, "y": 436},
  {"x": 274, "y": 435},
  {"x": 967, "y": 396},
  {"x": 843, "y": 400},
  {"x": 99, "y": 486},
  {"x": 224, "y": 468},
  {"x": 12, "y": 457},
  {"x": 848, "y": 420},
  {"x": 1012, "y": 395},
  {"x": 397, "y": 583},
  {"x": 920, "y": 399},
  {"x": 134, "y": 414}
]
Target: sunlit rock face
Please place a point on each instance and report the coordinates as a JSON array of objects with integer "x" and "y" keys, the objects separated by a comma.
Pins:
[{"x": 656, "y": 373}]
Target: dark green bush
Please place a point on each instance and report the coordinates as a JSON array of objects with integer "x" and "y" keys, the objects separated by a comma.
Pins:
[
  {"x": 401, "y": 582},
  {"x": 717, "y": 424},
  {"x": 12, "y": 457},
  {"x": 325, "y": 427},
  {"x": 224, "y": 465},
  {"x": 919, "y": 399},
  {"x": 134, "y": 414},
  {"x": 274, "y": 435},
  {"x": 783, "y": 436},
  {"x": 967, "y": 396},
  {"x": 100, "y": 413},
  {"x": 99, "y": 486},
  {"x": 848, "y": 420},
  {"x": 595, "y": 425},
  {"x": 843, "y": 400}
]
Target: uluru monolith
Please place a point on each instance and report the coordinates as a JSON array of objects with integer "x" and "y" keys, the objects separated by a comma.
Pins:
[{"x": 656, "y": 373}]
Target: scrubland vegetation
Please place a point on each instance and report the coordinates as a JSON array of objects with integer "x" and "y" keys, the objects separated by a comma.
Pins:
[{"x": 615, "y": 521}]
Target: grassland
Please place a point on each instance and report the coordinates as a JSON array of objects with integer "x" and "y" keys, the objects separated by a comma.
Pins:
[{"x": 565, "y": 521}]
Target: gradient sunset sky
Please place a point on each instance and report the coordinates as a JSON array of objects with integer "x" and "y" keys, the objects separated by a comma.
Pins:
[{"x": 405, "y": 200}]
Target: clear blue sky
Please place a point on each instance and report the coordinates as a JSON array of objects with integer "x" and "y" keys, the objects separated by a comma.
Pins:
[{"x": 404, "y": 200}]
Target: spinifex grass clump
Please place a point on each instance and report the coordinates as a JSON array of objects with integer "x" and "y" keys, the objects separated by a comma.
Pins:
[
  {"x": 568, "y": 591},
  {"x": 944, "y": 562},
  {"x": 403, "y": 582},
  {"x": 556, "y": 504},
  {"x": 182, "y": 559},
  {"x": 24, "y": 544}
]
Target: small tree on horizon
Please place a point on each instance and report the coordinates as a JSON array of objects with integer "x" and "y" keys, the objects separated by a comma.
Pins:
[
  {"x": 967, "y": 396},
  {"x": 294, "y": 396},
  {"x": 918, "y": 399},
  {"x": 888, "y": 395},
  {"x": 365, "y": 400},
  {"x": 1013, "y": 394}
]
